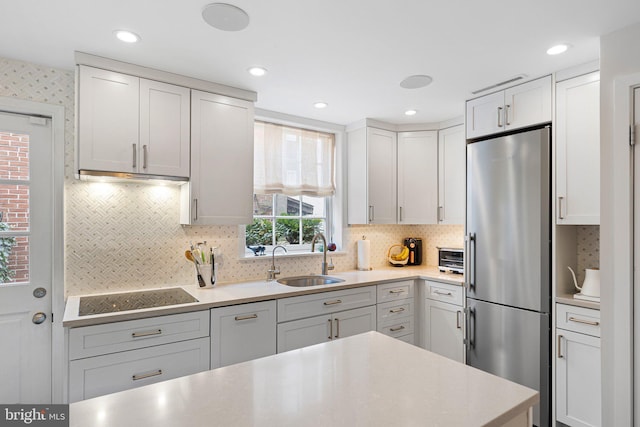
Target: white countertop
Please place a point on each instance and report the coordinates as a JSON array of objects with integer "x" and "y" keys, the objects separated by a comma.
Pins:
[
  {"x": 239, "y": 293},
  {"x": 363, "y": 380}
]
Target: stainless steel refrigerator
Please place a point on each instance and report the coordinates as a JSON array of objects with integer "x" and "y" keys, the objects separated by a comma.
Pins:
[{"x": 508, "y": 241}]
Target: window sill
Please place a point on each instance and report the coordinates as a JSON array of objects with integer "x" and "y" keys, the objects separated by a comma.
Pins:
[{"x": 291, "y": 254}]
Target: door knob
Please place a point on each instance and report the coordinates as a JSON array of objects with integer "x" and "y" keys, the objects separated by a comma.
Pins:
[{"x": 39, "y": 317}]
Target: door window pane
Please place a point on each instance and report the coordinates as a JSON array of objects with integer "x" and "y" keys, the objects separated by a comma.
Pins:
[
  {"x": 14, "y": 259},
  {"x": 14, "y": 156},
  {"x": 14, "y": 207}
]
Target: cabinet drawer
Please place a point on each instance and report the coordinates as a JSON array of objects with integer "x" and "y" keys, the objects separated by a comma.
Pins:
[
  {"x": 242, "y": 332},
  {"x": 325, "y": 303},
  {"x": 96, "y": 376},
  {"x": 398, "y": 328},
  {"x": 578, "y": 319},
  {"x": 444, "y": 292},
  {"x": 393, "y": 310},
  {"x": 133, "y": 334},
  {"x": 395, "y": 291}
]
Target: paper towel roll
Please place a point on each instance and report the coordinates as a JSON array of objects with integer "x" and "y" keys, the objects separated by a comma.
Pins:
[{"x": 364, "y": 254}]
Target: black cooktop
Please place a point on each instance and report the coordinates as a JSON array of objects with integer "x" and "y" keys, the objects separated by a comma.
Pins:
[{"x": 112, "y": 303}]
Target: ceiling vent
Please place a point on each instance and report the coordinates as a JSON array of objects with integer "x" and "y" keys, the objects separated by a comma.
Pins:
[{"x": 506, "y": 82}]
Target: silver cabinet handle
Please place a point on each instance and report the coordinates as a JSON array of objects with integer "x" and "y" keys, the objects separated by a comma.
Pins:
[
  {"x": 506, "y": 114},
  {"x": 400, "y": 219},
  {"x": 144, "y": 156},
  {"x": 248, "y": 317},
  {"x": 458, "y": 322},
  {"x": 396, "y": 329},
  {"x": 195, "y": 209},
  {"x": 586, "y": 322},
  {"x": 146, "y": 333},
  {"x": 337, "y": 328},
  {"x": 396, "y": 310},
  {"x": 560, "y": 198},
  {"x": 137, "y": 377},
  {"x": 499, "y": 116},
  {"x": 559, "y": 345},
  {"x": 337, "y": 301},
  {"x": 135, "y": 156},
  {"x": 370, "y": 213},
  {"x": 396, "y": 291},
  {"x": 440, "y": 216},
  {"x": 330, "y": 329},
  {"x": 447, "y": 294}
]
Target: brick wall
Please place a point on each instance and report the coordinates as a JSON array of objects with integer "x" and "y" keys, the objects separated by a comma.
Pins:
[{"x": 14, "y": 198}]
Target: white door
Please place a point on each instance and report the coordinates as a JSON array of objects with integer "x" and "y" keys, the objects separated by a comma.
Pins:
[
  {"x": 452, "y": 151},
  {"x": 444, "y": 332},
  {"x": 381, "y": 158},
  {"x": 26, "y": 245}
]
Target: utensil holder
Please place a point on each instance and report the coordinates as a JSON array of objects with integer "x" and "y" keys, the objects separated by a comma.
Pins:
[{"x": 208, "y": 275}]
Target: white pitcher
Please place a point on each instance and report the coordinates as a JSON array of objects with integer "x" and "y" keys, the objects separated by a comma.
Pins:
[{"x": 591, "y": 285}]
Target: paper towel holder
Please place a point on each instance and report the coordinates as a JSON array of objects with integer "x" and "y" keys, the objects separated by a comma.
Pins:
[{"x": 364, "y": 254}]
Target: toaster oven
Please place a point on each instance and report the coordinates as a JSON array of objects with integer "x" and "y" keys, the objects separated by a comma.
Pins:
[{"x": 451, "y": 260}]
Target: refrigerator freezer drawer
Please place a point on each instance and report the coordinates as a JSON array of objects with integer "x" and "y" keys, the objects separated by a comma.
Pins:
[{"x": 514, "y": 344}]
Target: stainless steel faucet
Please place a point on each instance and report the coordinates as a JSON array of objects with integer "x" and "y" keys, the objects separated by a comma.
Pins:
[
  {"x": 325, "y": 267},
  {"x": 273, "y": 271}
]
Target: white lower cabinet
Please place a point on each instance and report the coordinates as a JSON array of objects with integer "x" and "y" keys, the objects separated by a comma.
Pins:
[
  {"x": 578, "y": 373},
  {"x": 315, "y": 330},
  {"x": 395, "y": 310},
  {"x": 242, "y": 332},
  {"x": 443, "y": 320},
  {"x": 122, "y": 355}
]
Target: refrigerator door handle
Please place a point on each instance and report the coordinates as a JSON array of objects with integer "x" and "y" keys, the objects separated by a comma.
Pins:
[
  {"x": 471, "y": 327},
  {"x": 470, "y": 265}
]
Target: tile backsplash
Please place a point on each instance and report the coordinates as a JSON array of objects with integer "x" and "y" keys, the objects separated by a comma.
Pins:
[{"x": 126, "y": 236}]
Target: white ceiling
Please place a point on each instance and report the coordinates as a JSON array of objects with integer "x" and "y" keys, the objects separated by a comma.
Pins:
[{"x": 351, "y": 54}]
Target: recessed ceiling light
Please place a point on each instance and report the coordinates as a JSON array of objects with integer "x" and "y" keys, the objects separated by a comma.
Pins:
[
  {"x": 416, "y": 81},
  {"x": 410, "y": 112},
  {"x": 257, "y": 71},
  {"x": 557, "y": 49},
  {"x": 226, "y": 17},
  {"x": 127, "y": 36},
  {"x": 321, "y": 104}
]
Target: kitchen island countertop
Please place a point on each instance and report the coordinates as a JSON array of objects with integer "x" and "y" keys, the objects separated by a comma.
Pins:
[
  {"x": 354, "y": 381},
  {"x": 244, "y": 292}
]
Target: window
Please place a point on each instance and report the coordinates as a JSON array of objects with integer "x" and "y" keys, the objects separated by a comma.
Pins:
[{"x": 293, "y": 184}]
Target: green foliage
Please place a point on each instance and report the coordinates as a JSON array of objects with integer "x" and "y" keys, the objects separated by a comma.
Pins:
[
  {"x": 6, "y": 244},
  {"x": 259, "y": 232},
  {"x": 287, "y": 231}
]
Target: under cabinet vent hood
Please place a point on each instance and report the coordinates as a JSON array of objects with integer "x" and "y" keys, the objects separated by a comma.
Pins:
[{"x": 103, "y": 176}]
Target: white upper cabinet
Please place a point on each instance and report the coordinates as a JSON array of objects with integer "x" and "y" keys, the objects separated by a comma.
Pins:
[
  {"x": 221, "y": 187},
  {"x": 578, "y": 150},
  {"x": 418, "y": 177},
  {"x": 132, "y": 125},
  {"x": 371, "y": 176},
  {"x": 451, "y": 175},
  {"x": 513, "y": 108}
]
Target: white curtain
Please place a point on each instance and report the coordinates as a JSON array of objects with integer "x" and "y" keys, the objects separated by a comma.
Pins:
[{"x": 293, "y": 161}]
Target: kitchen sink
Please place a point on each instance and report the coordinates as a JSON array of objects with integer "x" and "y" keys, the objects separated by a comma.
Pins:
[{"x": 311, "y": 280}]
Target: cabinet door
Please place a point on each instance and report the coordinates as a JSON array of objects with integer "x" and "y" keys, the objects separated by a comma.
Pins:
[
  {"x": 451, "y": 175},
  {"x": 485, "y": 115},
  {"x": 242, "y": 332},
  {"x": 578, "y": 150},
  {"x": 353, "y": 322},
  {"x": 164, "y": 129},
  {"x": 578, "y": 386},
  {"x": 381, "y": 176},
  {"x": 357, "y": 199},
  {"x": 221, "y": 187},
  {"x": 443, "y": 329},
  {"x": 304, "y": 332},
  {"x": 418, "y": 177},
  {"x": 527, "y": 104},
  {"x": 108, "y": 121}
]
